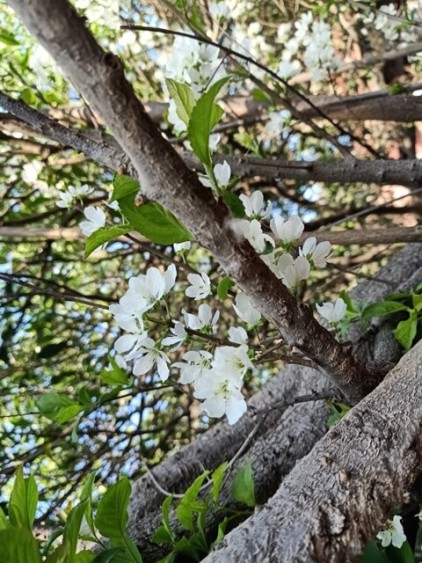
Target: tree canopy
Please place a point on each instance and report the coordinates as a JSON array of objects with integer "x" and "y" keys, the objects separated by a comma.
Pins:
[{"x": 190, "y": 193}]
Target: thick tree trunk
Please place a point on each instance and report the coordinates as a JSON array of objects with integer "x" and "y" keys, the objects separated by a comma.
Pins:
[{"x": 340, "y": 495}]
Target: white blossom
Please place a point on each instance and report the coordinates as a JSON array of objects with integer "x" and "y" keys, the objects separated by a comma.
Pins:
[
  {"x": 146, "y": 356},
  {"x": 238, "y": 335},
  {"x": 245, "y": 310},
  {"x": 317, "y": 254},
  {"x": 204, "y": 321},
  {"x": 68, "y": 197},
  {"x": 95, "y": 220},
  {"x": 276, "y": 124},
  {"x": 232, "y": 360},
  {"x": 333, "y": 313},
  {"x": 196, "y": 364},
  {"x": 252, "y": 231},
  {"x": 255, "y": 207},
  {"x": 179, "y": 336},
  {"x": 181, "y": 246},
  {"x": 31, "y": 170},
  {"x": 222, "y": 395},
  {"x": 219, "y": 10},
  {"x": 152, "y": 286},
  {"x": 200, "y": 286},
  {"x": 292, "y": 271},
  {"x": 394, "y": 534},
  {"x": 222, "y": 173},
  {"x": 287, "y": 231}
]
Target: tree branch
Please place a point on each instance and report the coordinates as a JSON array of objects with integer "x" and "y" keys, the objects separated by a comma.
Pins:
[{"x": 164, "y": 177}]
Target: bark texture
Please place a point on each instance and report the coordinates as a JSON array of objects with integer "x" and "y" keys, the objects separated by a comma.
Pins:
[{"x": 339, "y": 496}]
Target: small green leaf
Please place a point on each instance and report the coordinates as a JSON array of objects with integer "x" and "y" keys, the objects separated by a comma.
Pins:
[
  {"x": 243, "y": 488},
  {"x": 18, "y": 546},
  {"x": 382, "y": 308},
  {"x": 221, "y": 531},
  {"x": 417, "y": 301},
  {"x": 223, "y": 287},
  {"x": 183, "y": 98},
  {"x": 234, "y": 203},
  {"x": 86, "y": 493},
  {"x": 405, "y": 332},
  {"x": 23, "y": 501},
  {"x": 161, "y": 535},
  {"x": 7, "y": 38},
  {"x": 338, "y": 410},
  {"x": 115, "y": 377},
  {"x": 28, "y": 96},
  {"x": 189, "y": 503},
  {"x": 103, "y": 235},
  {"x": 373, "y": 554},
  {"x": 154, "y": 222},
  {"x": 111, "y": 518},
  {"x": 85, "y": 556},
  {"x": 403, "y": 554},
  {"x": 73, "y": 526},
  {"x": 217, "y": 480},
  {"x": 4, "y": 522},
  {"x": 350, "y": 304},
  {"x": 124, "y": 186},
  {"x": 112, "y": 555},
  {"x": 205, "y": 115},
  {"x": 58, "y": 408}
]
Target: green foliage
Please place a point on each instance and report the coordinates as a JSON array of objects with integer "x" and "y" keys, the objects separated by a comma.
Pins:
[
  {"x": 58, "y": 408},
  {"x": 338, "y": 410},
  {"x": 204, "y": 116},
  {"x": 183, "y": 98},
  {"x": 376, "y": 554},
  {"x": 199, "y": 500},
  {"x": 18, "y": 545},
  {"x": 408, "y": 304},
  {"x": 224, "y": 286},
  {"x": 149, "y": 219}
]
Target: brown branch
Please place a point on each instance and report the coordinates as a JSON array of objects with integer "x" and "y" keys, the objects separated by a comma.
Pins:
[{"x": 164, "y": 177}]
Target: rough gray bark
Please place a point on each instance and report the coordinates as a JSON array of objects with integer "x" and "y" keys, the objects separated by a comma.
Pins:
[
  {"x": 165, "y": 178},
  {"x": 339, "y": 496},
  {"x": 287, "y": 435}
]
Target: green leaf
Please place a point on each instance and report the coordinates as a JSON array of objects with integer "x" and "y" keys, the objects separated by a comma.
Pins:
[
  {"x": 223, "y": 287},
  {"x": 417, "y": 301},
  {"x": 405, "y": 332},
  {"x": 103, "y": 235},
  {"x": 382, "y": 308},
  {"x": 205, "y": 115},
  {"x": 217, "y": 480},
  {"x": 18, "y": 546},
  {"x": 161, "y": 535},
  {"x": 23, "y": 501},
  {"x": 189, "y": 503},
  {"x": 373, "y": 554},
  {"x": 58, "y": 408},
  {"x": 183, "y": 98},
  {"x": 73, "y": 526},
  {"x": 85, "y": 556},
  {"x": 243, "y": 488},
  {"x": 59, "y": 555},
  {"x": 221, "y": 531},
  {"x": 154, "y": 222},
  {"x": 403, "y": 554},
  {"x": 86, "y": 493},
  {"x": 338, "y": 410},
  {"x": 4, "y": 522},
  {"x": 7, "y": 38},
  {"x": 111, "y": 518},
  {"x": 350, "y": 303},
  {"x": 112, "y": 555},
  {"x": 124, "y": 186},
  {"x": 234, "y": 203},
  {"x": 115, "y": 377},
  {"x": 28, "y": 96}
]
